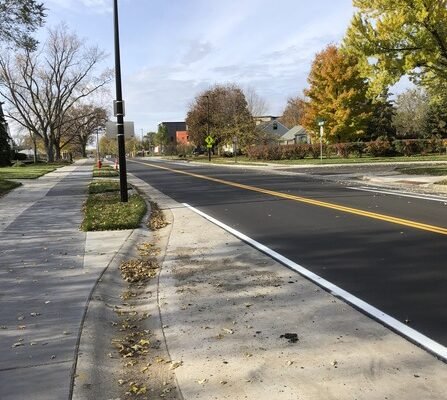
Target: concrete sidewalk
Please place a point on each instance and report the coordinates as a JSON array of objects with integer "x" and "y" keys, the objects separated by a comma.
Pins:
[{"x": 48, "y": 268}]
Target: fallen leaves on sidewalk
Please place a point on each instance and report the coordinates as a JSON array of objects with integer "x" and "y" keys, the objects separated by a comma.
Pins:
[
  {"x": 157, "y": 218},
  {"x": 138, "y": 270}
]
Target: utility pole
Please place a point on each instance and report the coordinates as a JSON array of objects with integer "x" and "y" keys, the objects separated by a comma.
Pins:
[{"x": 119, "y": 109}]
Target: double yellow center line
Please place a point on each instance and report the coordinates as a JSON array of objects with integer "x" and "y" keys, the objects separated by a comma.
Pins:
[{"x": 350, "y": 210}]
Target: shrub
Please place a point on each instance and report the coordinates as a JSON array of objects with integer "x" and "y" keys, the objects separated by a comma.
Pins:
[
  {"x": 409, "y": 147},
  {"x": 379, "y": 147},
  {"x": 314, "y": 150},
  {"x": 435, "y": 144},
  {"x": 343, "y": 149},
  {"x": 358, "y": 148}
]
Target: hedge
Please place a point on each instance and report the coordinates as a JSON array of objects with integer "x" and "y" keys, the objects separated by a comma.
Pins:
[{"x": 381, "y": 147}]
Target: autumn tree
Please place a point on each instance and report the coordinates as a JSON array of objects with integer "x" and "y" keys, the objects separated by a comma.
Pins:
[
  {"x": 394, "y": 38},
  {"x": 337, "y": 94},
  {"x": 293, "y": 113},
  {"x": 229, "y": 116},
  {"x": 42, "y": 87},
  {"x": 18, "y": 20}
]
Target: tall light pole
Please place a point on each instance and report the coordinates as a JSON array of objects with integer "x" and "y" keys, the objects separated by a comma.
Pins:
[{"x": 119, "y": 109}]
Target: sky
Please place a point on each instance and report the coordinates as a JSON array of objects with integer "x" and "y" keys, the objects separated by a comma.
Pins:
[{"x": 171, "y": 50}]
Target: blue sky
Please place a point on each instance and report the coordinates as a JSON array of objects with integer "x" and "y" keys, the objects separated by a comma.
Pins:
[{"x": 173, "y": 49}]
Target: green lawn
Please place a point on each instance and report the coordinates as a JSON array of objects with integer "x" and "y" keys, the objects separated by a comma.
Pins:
[
  {"x": 28, "y": 171},
  {"x": 6, "y": 186},
  {"x": 103, "y": 209},
  {"x": 312, "y": 161},
  {"x": 106, "y": 171},
  {"x": 434, "y": 170}
]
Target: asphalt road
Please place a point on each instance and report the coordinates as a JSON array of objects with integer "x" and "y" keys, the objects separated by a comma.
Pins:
[{"x": 398, "y": 267}]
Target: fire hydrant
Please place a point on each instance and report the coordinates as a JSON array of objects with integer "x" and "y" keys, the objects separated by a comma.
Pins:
[{"x": 99, "y": 164}]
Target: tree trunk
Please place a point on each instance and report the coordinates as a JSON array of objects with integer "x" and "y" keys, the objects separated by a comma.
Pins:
[
  {"x": 49, "y": 149},
  {"x": 34, "y": 149}
]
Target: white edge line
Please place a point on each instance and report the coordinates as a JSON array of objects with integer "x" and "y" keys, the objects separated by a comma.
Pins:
[
  {"x": 395, "y": 193},
  {"x": 428, "y": 344}
]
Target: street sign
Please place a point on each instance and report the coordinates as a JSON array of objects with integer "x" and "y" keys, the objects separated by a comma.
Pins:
[{"x": 209, "y": 142}]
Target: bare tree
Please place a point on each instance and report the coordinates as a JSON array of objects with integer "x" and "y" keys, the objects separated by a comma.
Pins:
[
  {"x": 42, "y": 87},
  {"x": 83, "y": 120},
  {"x": 255, "y": 103}
]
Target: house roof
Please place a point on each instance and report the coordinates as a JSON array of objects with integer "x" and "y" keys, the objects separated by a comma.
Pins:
[
  {"x": 297, "y": 130},
  {"x": 274, "y": 127}
]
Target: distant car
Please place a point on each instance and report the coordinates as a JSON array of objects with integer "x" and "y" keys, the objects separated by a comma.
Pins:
[{"x": 198, "y": 150}]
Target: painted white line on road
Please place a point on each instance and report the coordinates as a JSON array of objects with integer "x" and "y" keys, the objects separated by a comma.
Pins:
[
  {"x": 402, "y": 194},
  {"x": 409, "y": 333}
]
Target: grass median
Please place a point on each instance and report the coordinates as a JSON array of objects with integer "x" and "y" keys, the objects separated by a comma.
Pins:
[
  {"x": 243, "y": 160},
  {"x": 103, "y": 210},
  {"x": 106, "y": 171},
  {"x": 433, "y": 170}
]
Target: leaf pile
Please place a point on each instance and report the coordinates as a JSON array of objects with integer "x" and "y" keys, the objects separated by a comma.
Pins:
[
  {"x": 138, "y": 270},
  {"x": 157, "y": 218},
  {"x": 133, "y": 345},
  {"x": 147, "y": 249}
]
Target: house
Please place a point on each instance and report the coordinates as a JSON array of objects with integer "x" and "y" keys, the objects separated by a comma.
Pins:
[
  {"x": 182, "y": 137},
  {"x": 295, "y": 135},
  {"x": 172, "y": 128},
  {"x": 272, "y": 128}
]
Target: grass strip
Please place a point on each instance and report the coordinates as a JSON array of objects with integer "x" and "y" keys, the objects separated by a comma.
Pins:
[
  {"x": 106, "y": 171},
  {"x": 6, "y": 186},
  {"x": 28, "y": 171},
  {"x": 444, "y": 182},
  {"x": 104, "y": 211},
  {"x": 316, "y": 161},
  {"x": 437, "y": 170}
]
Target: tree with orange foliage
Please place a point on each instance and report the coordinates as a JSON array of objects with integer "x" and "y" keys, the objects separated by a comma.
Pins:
[{"x": 337, "y": 94}]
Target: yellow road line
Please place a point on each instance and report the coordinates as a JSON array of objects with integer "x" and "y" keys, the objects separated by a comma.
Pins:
[{"x": 368, "y": 214}]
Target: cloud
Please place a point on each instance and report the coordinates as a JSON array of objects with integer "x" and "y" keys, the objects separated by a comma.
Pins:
[
  {"x": 197, "y": 51},
  {"x": 97, "y": 6}
]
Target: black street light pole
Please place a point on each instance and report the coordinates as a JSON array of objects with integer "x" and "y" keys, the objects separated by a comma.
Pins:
[{"x": 119, "y": 109}]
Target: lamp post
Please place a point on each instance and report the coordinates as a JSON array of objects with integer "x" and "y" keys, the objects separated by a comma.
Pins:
[{"x": 119, "y": 109}]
